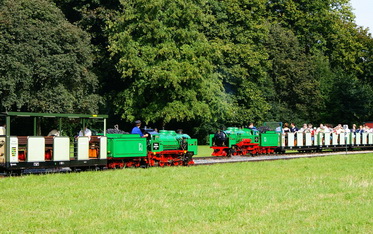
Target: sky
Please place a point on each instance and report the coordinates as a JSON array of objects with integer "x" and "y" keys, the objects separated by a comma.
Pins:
[{"x": 363, "y": 10}]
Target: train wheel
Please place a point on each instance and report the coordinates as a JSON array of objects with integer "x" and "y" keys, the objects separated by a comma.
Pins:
[
  {"x": 128, "y": 164},
  {"x": 77, "y": 170},
  {"x": 231, "y": 152},
  {"x": 161, "y": 164},
  {"x": 151, "y": 163},
  {"x": 15, "y": 173}
]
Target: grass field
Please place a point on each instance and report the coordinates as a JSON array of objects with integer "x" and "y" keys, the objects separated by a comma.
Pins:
[
  {"x": 204, "y": 151},
  {"x": 322, "y": 195}
]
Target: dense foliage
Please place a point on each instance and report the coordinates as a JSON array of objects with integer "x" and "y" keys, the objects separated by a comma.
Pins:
[
  {"x": 166, "y": 64},
  {"x": 200, "y": 63},
  {"x": 45, "y": 60}
]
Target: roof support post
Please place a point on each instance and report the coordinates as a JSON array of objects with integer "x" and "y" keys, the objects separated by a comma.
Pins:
[
  {"x": 60, "y": 125},
  {"x": 35, "y": 126},
  {"x": 7, "y": 143},
  {"x": 104, "y": 127}
]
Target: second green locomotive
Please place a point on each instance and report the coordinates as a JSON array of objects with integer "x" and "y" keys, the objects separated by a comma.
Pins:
[{"x": 244, "y": 141}]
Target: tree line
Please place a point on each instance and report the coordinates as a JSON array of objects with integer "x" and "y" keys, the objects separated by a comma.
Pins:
[{"x": 193, "y": 64}]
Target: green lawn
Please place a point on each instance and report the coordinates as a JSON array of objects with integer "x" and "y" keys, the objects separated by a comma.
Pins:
[
  {"x": 323, "y": 195},
  {"x": 204, "y": 151}
]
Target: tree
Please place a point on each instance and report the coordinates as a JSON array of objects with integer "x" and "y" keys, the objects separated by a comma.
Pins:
[
  {"x": 365, "y": 56},
  {"x": 325, "y": 26},
  {"x": 238, "y": 30},
  {"x": 165, "y": 63},
  {"x": 333, "y": 44},
  {"x": 92, "y": 17},
  {"x": 211, "y": 64},
  {"x": 297, "y": 94},
  {"x": 46, "y": 61},
  {"x": 350, "y": 100}
]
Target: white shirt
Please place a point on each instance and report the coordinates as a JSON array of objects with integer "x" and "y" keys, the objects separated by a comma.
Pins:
[
  {"x": 54, "y": 132},
  {"x": 87, "y": 133},
  {"x": 2, "y": 130}
]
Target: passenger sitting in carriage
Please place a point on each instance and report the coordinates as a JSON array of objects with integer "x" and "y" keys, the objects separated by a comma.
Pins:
[
  {"x": 286, "y": 128},
  {"x": 360, "y": 129},
  {"x": 293, "y": 128},
  {"x": 54, "y": 132},
  {"x": 304, "y": 128},
  {"x": 3, "y": 129}
]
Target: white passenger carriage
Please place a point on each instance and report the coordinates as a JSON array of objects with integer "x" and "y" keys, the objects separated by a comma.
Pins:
[
  {"x": 19, "y": 152},
  {"x": 307, "y": 141}
]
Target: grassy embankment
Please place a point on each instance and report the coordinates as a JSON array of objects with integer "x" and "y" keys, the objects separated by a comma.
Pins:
[{"x": 324, "y": 195}]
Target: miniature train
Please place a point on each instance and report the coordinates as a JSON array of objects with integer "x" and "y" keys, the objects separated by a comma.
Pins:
[
  {"x": 163, "y": 148},
  {"x": 20, "y": 153},
  {"x": 271, "y": 139}
]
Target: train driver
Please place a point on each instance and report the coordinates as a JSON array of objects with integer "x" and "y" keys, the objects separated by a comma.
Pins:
[
  {"x": 251, "y": 126},
  {"x": 137, "y": 130}
]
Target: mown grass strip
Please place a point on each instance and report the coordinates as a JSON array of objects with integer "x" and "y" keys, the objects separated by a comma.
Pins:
[{"x": 329, "y": 194}]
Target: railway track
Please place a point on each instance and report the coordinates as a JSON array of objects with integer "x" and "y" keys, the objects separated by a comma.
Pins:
[{"x": 238, "y": 159}]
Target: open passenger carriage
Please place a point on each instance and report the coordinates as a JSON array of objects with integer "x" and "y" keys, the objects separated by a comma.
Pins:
[
  {"x": 24, "y": 145},
  {"x": 322, "y": 141}
]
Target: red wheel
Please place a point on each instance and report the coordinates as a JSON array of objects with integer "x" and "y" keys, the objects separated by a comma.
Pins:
[{"x": 151, "y": 163}]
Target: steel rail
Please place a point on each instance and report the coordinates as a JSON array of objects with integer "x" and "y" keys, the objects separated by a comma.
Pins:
[{"x": 239, "y": 159}]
